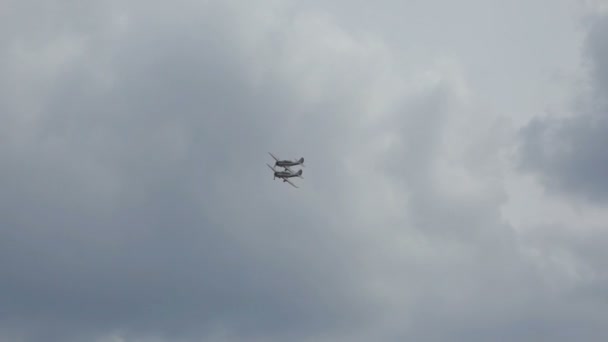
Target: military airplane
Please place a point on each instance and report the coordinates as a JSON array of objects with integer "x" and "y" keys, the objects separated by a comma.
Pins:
[
  {"x": 286, "y": 163},
  {"x": 285, "y": 175}
]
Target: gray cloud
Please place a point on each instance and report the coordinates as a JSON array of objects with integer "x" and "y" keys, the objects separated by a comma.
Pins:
[
  {"x": 569, "y": 154},
  {"x": 136, "y": 205}
]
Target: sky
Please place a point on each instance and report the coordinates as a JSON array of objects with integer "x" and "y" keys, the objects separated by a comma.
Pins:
[{"x": 454, "y": 187}]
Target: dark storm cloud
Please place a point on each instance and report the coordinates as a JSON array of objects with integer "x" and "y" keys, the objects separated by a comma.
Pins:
[{"x": 569, "y": 154}]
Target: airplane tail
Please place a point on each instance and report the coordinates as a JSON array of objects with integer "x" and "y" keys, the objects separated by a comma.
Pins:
[
  {"x": 300, "y": 173},
  {"x": 301, "y": 161}
]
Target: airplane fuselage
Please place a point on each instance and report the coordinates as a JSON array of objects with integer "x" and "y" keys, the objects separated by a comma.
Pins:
[
  {"x": 285, "y": 174},
  {"x": 283, "y": 163}
]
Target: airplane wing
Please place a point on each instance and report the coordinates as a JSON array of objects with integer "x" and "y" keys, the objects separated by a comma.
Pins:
[
  {"x": 275, "y": 158},
  {"x": 287, "y": 180},
  {"x": 272, "y": 168},
  {"x": 287, "y": 168}
]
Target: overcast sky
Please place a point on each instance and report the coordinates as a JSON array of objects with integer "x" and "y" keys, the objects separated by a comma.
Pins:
[{"x": 455, "y": 184}]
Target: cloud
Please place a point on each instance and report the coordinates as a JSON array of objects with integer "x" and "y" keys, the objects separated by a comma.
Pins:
[
  {"x": 134, "y": 196},
  {"x": 136, "y": 206},
  {"x": 568, "y": 154}
]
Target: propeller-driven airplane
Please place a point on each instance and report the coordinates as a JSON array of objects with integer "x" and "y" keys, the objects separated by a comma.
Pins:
[
  {"x": 286, "y": 163},
  {"x": 285, "y": 175}
]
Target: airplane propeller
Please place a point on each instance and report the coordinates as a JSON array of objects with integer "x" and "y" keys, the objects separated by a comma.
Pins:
[{"x": 274, "y": 175}]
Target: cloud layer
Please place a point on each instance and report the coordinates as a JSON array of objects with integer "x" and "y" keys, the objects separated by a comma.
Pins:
[{"x": 136, "y": 205}]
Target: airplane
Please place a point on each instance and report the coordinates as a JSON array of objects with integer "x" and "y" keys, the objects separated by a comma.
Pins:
[
  {"x": 284, "y": 175},
  {"x": 287, "y": 163}
]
